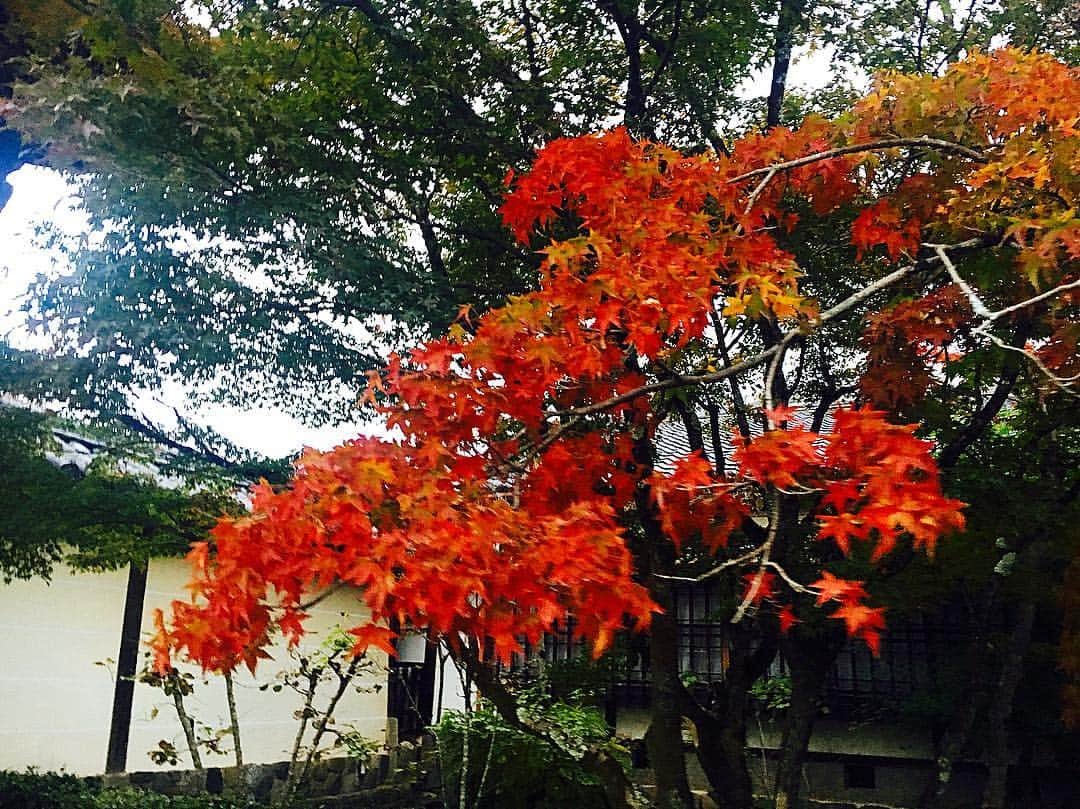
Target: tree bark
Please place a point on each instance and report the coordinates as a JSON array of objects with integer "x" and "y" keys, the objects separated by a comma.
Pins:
[
  {"x": 234, "y": 720},
  {"x": 1012, "y": 667},
  {"x": 625, "y": 17},
  {"x": 809, "y": 659},
  {"x": 790, "y": 17},
  {"x": 721, "y": 727},
  {"x": 344, "y": 678},
  {"x": 954, "y": 740},
  {"x": 189, "y": 729},
  {"x": 664, "y": 738}
]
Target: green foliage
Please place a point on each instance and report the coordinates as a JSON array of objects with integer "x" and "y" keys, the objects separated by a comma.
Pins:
[
  {"x": 772, "y": 693},
  {"x": 283, "y": 191},
  {"x": 580, "y": 679},
  {"x": 98, "y": 519},
  {"x": 508, "y": 767},
  {"x": 335, "y": 170},
  {"x": 141, "y": 799},
  {"x": 35, "y": 790},
  {"x": 925, "y": 36},
  {"x": 330, "y": 667}
]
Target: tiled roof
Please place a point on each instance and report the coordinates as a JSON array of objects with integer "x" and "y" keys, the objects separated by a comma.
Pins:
[{"x": 673, "y": 443}]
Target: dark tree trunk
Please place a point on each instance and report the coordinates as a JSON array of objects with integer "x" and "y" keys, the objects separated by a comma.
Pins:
[
  {"x": 809, "y": 659},
  {"x": 1012, "y": 667},
  {"x": 790, "y": 18},
  {"x": 439, "y": 271},
  {"x": 979, "y": 665},
  {"x": 721, "y": 727},
  {"x": 664, "y": 739},
  {"x": 656, "y": 558},
  {"x": 625, "y": 17},
  {"x": 722, "y": 752}
]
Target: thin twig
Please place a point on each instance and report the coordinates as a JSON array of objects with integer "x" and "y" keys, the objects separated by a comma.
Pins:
[
  {"x": 983, "y": 311},
  {"x": 794, "y": 585},
  {"x": 766, "y": 549},
  {"x": 872, "y": 146},
  {"x": 977, "y": 305},
  {"x": 720, "y": 568},
  {"x": 344, "y": 679},
  {"x": 758, "y": 189},
  {"x": 1008, "y": 310},
  {"x": 1062, "y": 382}
]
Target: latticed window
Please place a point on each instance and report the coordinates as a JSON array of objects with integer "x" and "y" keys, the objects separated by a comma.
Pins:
[{"x": 915, "y": 653}]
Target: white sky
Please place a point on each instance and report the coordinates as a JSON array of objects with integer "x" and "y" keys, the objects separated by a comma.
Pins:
[{"x": 45, "y": 196}]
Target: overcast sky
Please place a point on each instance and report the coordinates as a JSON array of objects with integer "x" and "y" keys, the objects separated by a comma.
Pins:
[{"x": 44, "y": 196}]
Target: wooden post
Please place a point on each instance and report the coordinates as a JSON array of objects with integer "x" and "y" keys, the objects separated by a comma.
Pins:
[{"x": 127, "y": 662}]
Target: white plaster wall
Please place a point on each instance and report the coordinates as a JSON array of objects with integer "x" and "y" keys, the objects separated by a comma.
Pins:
[
  {"x": 449, "y": 686},
  {"x": 57, "y": 703},
  {"x": 267, "y": 726}
]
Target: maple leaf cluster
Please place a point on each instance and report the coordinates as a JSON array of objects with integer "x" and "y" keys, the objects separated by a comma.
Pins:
[
  {"x": 504, "y": 502},
  {"x": 1018, "y": 112},
  {"x": 692, "y": 503},
  {"x": 908, "y": 342},
  {"x": 861, "y": 620},
  {"x": 442, "y": 552},
  {"x": 877, "y": 483}
]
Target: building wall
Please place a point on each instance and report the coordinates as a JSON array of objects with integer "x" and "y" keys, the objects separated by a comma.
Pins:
[
  {"x": 450, "y": 687},
  {"x": 58, "y": 702}
]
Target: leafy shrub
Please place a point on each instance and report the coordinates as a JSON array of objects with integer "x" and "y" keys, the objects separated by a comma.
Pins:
[
  {"x": 772, "y": 694},
  {"x": 507, "y": 768},
  {"x": 140, "y": 799},
  {"x": 34, "y": 790}
]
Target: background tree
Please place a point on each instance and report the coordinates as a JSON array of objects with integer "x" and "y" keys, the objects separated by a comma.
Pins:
[
  {"x": 103, "y": 517},
  {"x": 334, "y": 168},
  {"x": 289, "y": 190},
  {"x": 1010, "y": 578}
]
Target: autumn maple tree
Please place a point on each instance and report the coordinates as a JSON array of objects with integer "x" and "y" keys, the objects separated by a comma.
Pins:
[{"x": 522, "y": 481}]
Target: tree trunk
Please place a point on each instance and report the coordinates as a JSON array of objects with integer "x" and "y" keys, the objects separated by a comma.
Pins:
[
  {"x": 1012, "y": 667},
  {"x": 979, "y": 665},
  {"x": 721, "y": 727},
  {"x": 189, "y": 729},
  {"x": 790, "y": 17},
  {"x": 234, "y": 720},
  {"x": 810, "y": 659},
  {"x": 626, "y": 20},
  {"x": 722, "y": 753},
  {"x": 664, "y": 738}
]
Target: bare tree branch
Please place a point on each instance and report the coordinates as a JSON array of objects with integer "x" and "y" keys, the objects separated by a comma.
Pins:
[
  {"x": 988, "y": 318},
  {"x": 871, "y": 146}
]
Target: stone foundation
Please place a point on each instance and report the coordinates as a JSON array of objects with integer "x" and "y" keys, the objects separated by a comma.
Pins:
[{"x": 405, "y": 776}]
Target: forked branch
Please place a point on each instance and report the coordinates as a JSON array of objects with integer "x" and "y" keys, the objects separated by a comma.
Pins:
[{"x": 988, "y": 317}]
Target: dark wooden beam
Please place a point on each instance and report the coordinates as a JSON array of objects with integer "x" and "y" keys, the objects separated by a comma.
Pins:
[{"x": 127, "y": 662}]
